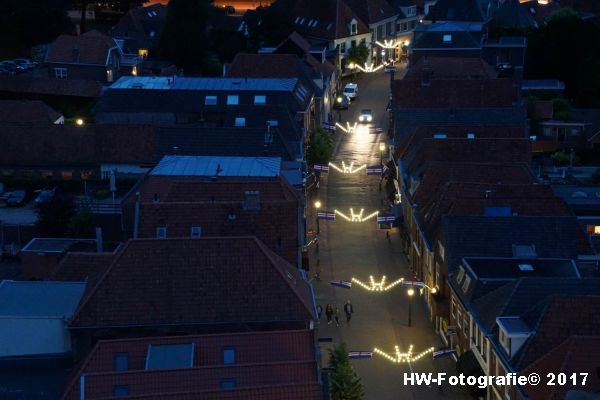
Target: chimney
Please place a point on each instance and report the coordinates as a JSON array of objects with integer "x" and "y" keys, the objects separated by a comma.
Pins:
[{"x": 251, "y": 200}]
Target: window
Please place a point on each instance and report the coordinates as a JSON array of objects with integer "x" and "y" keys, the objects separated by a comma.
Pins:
[
  {"x": 109, "y": 75},
  {"x": 353, "y": 28},
  {"x": 196, "y": 231},
  {"x": 143, "y": 53},
  {"x": 390, "y": 28},
  {"x": 441, "y": 247},
  {"x": 228, "y": 383},
  {"x": 465, "y": 286},
  {"x": 240, "y": 122},
  {"x": 597, "y": 230},
  {"x": 120, "y": 391},
  {"x": 458, "y": 317},
  {"x": 47, "y": 174},
  {"x": 447, "y": 38},
  {"x": 363, "y": 41},
  {"x": 437, "y": 274},
  {"x": 228, "y": 355},
  {"x": 353, "y": 43},
  {"x": 453, "y": 308},
  {"x": 272, "y": 122},
  {"x": 121, "y": 361},
  {"x": 161, "y": 232},
  {"x": 67, "y": 175},
  {"x": 210, "y": 101},
  {"x": 461, "y": 274},
  {"x": 343, "y": 48},
  {"x": 260, "y": 99},
  {"x": 233, "y": 100},
  {"x": 505, "y": 340},
  {"x": 380, "y": 33},
  {"x": 404, "y": 26},
  {"x": 60, "y": 73},
  {"x": 466, "y": 324},
  {"x": 470, "y": 136}
]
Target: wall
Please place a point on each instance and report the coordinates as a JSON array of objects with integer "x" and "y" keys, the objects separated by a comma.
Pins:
[{"x": 33, "y": 336}]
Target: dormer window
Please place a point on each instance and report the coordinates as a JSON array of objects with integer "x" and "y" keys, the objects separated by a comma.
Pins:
[
  {"x": 513, "y": 332},
  {"x": 467, "y": 282},
  {"x": 461, "y": 274},
  {"x": 353, "y": 27}
]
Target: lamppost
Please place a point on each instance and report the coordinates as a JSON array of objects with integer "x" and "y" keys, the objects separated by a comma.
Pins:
[
  {"x": 317, "y": 206},
  {"x": 381, "y": 150},
  {"x": 410, "y": 293}
]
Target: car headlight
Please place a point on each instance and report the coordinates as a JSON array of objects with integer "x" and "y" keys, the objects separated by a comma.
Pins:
[
  {"x": 369, "y": 118},
  {"x": 339, "y": 99}
]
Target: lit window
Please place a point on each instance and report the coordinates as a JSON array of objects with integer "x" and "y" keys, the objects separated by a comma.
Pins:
[
  {"x": 161, "y": 232},
  {"x": 210, "y": 101},
  {"x": 260, "y": 99},
  {"x": 597, "y": 230},
  {"x": 233, "y": 100},
  {"x": 240, "y": 122},
  {"x": 67, "y": 175},
  {"x": 143, "y": 53},
  {"x": 60, "y": 73},
  {"x": 228, "y": 355}
]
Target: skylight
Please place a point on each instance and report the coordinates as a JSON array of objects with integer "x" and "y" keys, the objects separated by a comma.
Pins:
[
  {"x": 526, "y": 267},
  {"x": 447, "y": 38}
]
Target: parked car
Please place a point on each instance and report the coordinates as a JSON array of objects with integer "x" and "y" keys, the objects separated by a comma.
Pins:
[
  {"x": 24, "y": 63},
  {"x": 45, "y": 196},
  {"x": 351, "y": 90},
  {"x": 342, "y": 102},
  {"x": 16, "y": 198},
  {"x": 365, "y": 116}
]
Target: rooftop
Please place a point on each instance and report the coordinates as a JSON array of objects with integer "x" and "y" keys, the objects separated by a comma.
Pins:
[
  {"x": 27, "y": 113},
  {"x": 513, "y": 268},
  {"x": 54, "y": 245},
  {"x": 40, "y": 299},
  {"x": 91, "y": 48},
  {"x": 218, "y": 166},
  {"x": 214, "y": 84}
]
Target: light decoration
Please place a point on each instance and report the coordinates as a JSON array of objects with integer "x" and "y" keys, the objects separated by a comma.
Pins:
[
  {"x": 377, "y": 286},
  {"x": 369, "y": 67},
  {"x": 399, "y": 357},
  {"x": 347, "y": 169},
  {"x": 348, "y": 128},
  {"x": 356, "y": 217},
  {"x": 387, "y": 44}
]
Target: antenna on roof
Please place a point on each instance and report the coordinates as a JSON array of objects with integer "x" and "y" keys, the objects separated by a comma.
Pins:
[{"x": 217, "y": 172}]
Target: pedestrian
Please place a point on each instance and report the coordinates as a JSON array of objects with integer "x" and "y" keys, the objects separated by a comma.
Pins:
[
  {"x": 319, "y": 309},
  {"x": 337, "y": 317},
  {"x": 328, "y": 313},
  {"x": 349, "y": 310}
]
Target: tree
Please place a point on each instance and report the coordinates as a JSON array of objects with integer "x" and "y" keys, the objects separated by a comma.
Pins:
[
  {"x": 345, "y": 382},
  {"x": 82, "y": 224},
  {"x": 184, "y": 37},
  {"x": 122, "y": 5},
  {"x": 54, "y": 215},
  {"x": 358, "y": 54},
  {"x": 269, "y": 26},
  {"x": 562, "y": 109},
  {"x": 320, "y": 149}
]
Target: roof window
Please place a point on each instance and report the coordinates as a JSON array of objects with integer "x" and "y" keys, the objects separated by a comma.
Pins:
[
  {"x": 447, "y": 38},
  {"x": 525, "y": 267},
  {"x": 233, "y": 100}
]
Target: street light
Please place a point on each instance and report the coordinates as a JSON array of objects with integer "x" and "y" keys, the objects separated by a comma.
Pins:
[
  {"x": 381, "y": 150},
  {"x": 410, "y": 293},
  {"x": 317, "y": 206},
  {"x": 79, "y": 121}
]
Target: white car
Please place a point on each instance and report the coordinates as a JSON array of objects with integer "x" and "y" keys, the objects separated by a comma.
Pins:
[
  {"x": 351, "y": 90},
  {"x": 365, "y": 116}
]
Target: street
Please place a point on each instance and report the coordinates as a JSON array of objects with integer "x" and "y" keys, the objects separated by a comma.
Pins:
[{"x": 357, "y": 249}]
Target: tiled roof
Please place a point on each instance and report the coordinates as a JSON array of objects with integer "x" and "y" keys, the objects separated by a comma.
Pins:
[
  {"x": 562, "y": 317},
  {"x": 453, "y": 93},
  {"x": 332, "y": 19},
  {"x": 82, "y": 267},
  {"x": 90, "y": 48},
  {"x": 145, "y": 23},
  {"x": 372, "y": 11},
  {"x": 512, "y": 14},
  {"x": 199, "y": 140},
  {"x": 69, "y": 145},
  {"x": 482, "y": 236},
  {"x": 577, "y": 353},
  {"x": 186, "y": 203},
  {"x": 272, "y": 65},
  {"x": 422, "y": 132},
  {"x": 437, "y": 67},
  {"x": 411, "y": 118},
  {"x": 456, "y": 10},
  {"x": 289, "y": 355},
  {"x": 16, "y": 112},
  {"x": 48, "y": 86},
  {"x": 196, "y": 281}
]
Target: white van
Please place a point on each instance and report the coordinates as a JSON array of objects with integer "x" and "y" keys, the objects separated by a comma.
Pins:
[{"x": 351, "y": 90}]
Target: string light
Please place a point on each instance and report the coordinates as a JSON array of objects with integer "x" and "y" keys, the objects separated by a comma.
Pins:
[
  {"x": 377, "y": 286},
  {"x": 348, "y": 128},
  {"x": 400, "y": 357},
  {"x": 369, "y": 67},
  {"x": 356, "y": 217},
  {"x": 387, "y": 44},
  {"x": 347, "y": 169}
]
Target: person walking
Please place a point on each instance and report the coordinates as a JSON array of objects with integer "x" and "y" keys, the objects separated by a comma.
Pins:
[
  {"x": 349, "y": 310},
  {"x": 336, "y": 316},
  {"x": 328, "y": 313},
  {"x": 319, "y": 311}
]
